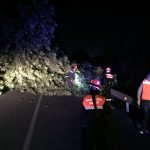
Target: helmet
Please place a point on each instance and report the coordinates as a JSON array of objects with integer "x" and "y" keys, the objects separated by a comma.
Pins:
[
  {"x": 95, "y": 82},
  {"x": 94, "y": 85},
  {"x": 108, "y": 70}
]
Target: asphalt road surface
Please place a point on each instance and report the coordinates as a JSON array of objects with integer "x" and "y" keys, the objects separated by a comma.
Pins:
[{"x": 36, "y": 122}]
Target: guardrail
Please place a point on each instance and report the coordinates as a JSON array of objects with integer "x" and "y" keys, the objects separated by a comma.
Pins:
[{"x": 124, "y": 97}]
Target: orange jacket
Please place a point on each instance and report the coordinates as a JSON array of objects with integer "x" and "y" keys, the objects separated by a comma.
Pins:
[
  {"x": 146, "y": 90},
  {"x": 88, "y": 102}
]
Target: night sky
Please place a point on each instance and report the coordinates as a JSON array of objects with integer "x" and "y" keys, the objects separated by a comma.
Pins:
[
  {"x": 97, "y": 28},
  {"x": 118, "y": 31}
]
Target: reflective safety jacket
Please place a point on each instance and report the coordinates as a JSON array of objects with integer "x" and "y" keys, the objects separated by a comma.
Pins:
[
  {"x": 109, "y": 80},
  {"x": 109, "y": 76},
  {"x": 88, "y": 102},
  {"x": 146, "y": 90}
]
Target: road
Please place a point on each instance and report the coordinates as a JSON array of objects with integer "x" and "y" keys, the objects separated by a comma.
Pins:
[{"x": 55, "y": 125}]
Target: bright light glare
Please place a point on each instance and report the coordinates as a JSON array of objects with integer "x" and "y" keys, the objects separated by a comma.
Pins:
[{"x": 78, "y": 81}]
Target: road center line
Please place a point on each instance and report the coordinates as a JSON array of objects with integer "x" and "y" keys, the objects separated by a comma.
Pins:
[{"x": 32, "y": 124}]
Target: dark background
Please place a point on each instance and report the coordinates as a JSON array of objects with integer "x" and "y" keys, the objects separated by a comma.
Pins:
[
  {"x": 95, "y": 27},
  {"x": 114, "y": 34},
  {"x": 105, "y": 34},
  {"x": 108, "y": 35}
]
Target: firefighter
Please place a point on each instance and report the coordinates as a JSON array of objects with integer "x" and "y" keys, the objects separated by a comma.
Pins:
[
  {"x": 109, "y": 82},
  {"x": 143, "y": 96},
  {"x": 98, "y": 73},
  {"x": 70, "y": 77},
  {"x": 93, "y": 122}
]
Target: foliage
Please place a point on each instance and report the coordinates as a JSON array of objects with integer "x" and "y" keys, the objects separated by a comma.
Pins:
[
  {"x": 36, "y": 25},
  {"x": 39, "y": 73},
  {"x": 31, "y": 28}
]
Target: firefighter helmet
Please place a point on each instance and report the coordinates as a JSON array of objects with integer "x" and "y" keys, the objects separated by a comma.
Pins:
[
  {"x": 94, "y": 85},
  {"x": 95, "y": 82},
  {"x": 108, "y": 70}
]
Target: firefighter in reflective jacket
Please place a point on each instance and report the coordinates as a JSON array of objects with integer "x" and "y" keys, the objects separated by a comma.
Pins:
[
  {"x": 70, "y": 77},
  {"x": 108, "y": 83},
  {"x": 143, "y": 97},
  {"x": 93, "y": 122}
]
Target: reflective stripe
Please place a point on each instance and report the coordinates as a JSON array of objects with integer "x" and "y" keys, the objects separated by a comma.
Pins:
[
  {"x": 108, "y": 99},
  {"x": 95, "y": 86},
  {"x": 88, "y": 108},
  {"x": 88, "y": 102},
  {"x": 100, "y": 107},
  {"x": 91, "y": 103},
  {"x": 146, "y": 82},
  {"x": 99, "y": 99},
  {"x": 92, "y": 108},
  {"x": 109, "y": 76},
  {"x": 66, "y": 76},
  {"x": 98, "y": 82}
]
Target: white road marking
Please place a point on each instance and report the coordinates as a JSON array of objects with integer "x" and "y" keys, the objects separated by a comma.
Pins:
[{"x": 32, "y": 124}]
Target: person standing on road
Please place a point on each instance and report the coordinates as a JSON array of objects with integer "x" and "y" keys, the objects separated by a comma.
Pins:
[
  {"x": 98, "y": 73},
  {"x": 143, "y": 96},
  {"x": 93, "y": 121},
  {"x": 109, "y": 82},
  {"x": 70, "y": 77}
]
